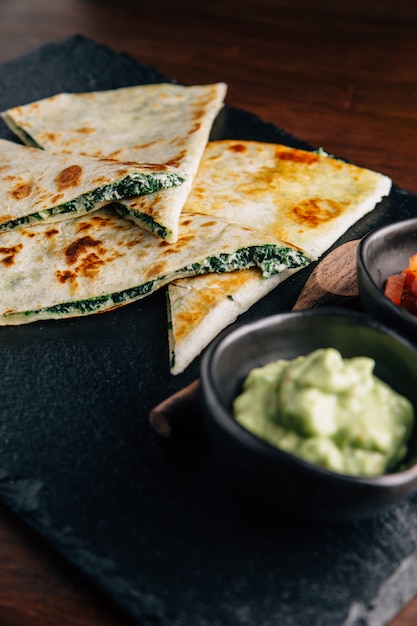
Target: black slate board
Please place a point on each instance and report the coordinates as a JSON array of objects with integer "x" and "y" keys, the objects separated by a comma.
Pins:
[{"x": 148, "y": 521}]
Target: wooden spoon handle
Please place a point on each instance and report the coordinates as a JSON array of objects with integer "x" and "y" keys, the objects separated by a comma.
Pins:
[
  {"x": 334, "y": 276},
  {"x": 176, "y": 409}
]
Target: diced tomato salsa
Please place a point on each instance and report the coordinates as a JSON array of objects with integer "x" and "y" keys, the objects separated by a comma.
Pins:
[{"x": 401, "y": 288}]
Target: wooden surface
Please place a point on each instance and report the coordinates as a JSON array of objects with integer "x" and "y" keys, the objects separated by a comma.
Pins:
[{"x": 341, "y": 75}]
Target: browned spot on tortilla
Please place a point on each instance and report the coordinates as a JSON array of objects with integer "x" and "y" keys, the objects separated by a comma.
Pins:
[
  {"x": 200, "y": 106},
  {"x": 133, "y": 243},
  {"x": 51, "y": 232},
  {"x": 177, "y": 160},
  {"x": 238, "y": 147},
  {"x": 156, "y": 270},
  {"x": 51, "y": 136},
  {"x": 297, "y": 156},
  {"x": 79, "y": 247},
  {"x": 100, "y": 180},
  {"x": 99, "y": 218},
  {"x": 69, "y": 177},
  {"x": 65, "y": 276},
  {"x": 8, "y": 260},
  {"x": 141, "y": 146},
  {"x": 113, "y": 156},
  {"x": 90, "y": 265},
  {"x": 186, "y": 320},
  {"x": 22, "y": 190},
  {"x": 97, "y": 221},
  {"x": 85, "y": 130},
  {"x": 148, "y": 166},
  {"x": 316, "y": 211},
  {"x": 10, "y": 253},
  {"x": 83, "y": 226},
  {"x": 56, "y": 198},
  {"x": 182, "y": 242},
  {"x": 170, "y": 250}
]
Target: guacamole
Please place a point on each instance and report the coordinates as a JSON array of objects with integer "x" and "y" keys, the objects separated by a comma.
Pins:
[{"x": 328, "y": 410}]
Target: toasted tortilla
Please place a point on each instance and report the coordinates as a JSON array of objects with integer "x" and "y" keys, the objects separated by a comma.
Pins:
[
  {"x": 164, "y": 123},
  {"x": 200, "y": 307},
  {"x": 101, "y": 261},
  {"x": 306, "y": 198},
  {"x": 43, "y": 186}
]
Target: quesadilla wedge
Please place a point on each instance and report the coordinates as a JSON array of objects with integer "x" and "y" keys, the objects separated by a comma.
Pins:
[
  {"x": 160, "y": 123},
  {"x": 200, "y": 307},
  {"x": 101, "y": 261},
  {"x": 307, "y": 198},
  {"x": 39, "y": 186}
]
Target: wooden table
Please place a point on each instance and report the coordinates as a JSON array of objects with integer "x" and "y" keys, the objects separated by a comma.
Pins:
[{"x": 341, "y": 75}]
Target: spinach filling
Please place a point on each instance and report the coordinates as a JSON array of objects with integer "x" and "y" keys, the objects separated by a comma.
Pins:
[
  {"x": 271, "y": 259},
  {"x": 132, "y": 185},
  {"x": 143, "y": 219}
]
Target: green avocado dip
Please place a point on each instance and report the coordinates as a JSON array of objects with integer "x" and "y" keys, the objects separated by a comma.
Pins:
[{"x": 328, "y": 410}]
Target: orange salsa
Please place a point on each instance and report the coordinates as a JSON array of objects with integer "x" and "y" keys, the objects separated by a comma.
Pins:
[{"x": 401, "y": 288}]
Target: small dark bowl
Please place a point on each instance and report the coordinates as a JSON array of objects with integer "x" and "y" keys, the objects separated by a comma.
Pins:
[
  {"x": 279, "y": 479},
  {"x": 383, "y": 252}
]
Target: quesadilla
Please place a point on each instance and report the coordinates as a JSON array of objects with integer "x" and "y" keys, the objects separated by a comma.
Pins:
[
  {"x": 101, "y": 261},
  {"x": 164, "y": 123},
  {"x": 39, "y": 186},
  {"x": 200, "y": 307},
  {"x": 306, "y": 198}
]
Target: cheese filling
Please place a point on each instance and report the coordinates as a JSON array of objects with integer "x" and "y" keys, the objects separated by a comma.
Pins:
[
  {"x": 270, "y": 259},
  {"x": 138, "y": 184}
]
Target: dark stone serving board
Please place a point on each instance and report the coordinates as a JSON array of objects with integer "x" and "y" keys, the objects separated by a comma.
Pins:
[{"x": 148, "y": 520}]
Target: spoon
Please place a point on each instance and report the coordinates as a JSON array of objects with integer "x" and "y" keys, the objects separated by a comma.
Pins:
[{"x": 333, "y": 276}]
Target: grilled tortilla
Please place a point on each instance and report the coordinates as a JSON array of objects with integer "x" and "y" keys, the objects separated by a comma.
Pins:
[
  {"x": 160, "y": 123},
  {"x": 200, "y": 307},
  {"x": 303, "y": 197},
  {"x": 101, "y": 261},
  {"x": 39, "y": 186},
  {"x": 306, "y": 198}
]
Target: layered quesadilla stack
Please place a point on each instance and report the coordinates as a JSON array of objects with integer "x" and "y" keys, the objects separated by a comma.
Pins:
[
  {"x": 39, "y": 186},
  {"x": 100, "y": 261},
  {"x": 304, "y": 197},
  {"x": 229, "y": 221},
  {"x": 167, "y": 124}
]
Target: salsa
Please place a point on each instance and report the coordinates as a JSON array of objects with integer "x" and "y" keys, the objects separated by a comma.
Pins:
[
  {"x": 328, "y": 410},
  {"x": 401, "y": 288}
]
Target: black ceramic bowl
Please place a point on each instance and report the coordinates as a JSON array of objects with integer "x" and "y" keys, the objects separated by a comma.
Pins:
[
  {"x": 383, "y": 252},
  {"x": 279, "y": 479}
]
